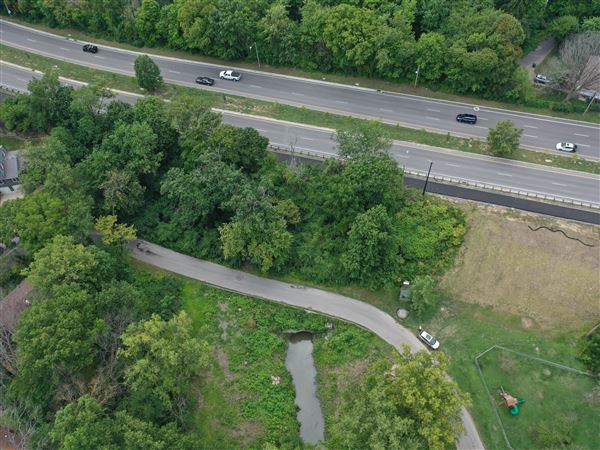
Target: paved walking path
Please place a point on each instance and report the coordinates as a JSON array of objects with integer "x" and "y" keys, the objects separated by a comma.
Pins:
[
  {"x": 537, "y": 56},
  {"x": 335, "y": 305}
]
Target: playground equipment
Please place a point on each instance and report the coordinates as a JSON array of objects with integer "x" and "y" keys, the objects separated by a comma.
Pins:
[{"x": 512, "y": 403}]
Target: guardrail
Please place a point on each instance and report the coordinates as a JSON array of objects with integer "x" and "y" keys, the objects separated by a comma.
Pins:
[{"x": 452, "y": 180}]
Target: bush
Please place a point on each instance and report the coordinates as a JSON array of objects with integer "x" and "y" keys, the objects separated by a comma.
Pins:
[
  {"x": 424, "y": 295},
  {"x": 563, "y": 26},
  {"x": 589, "y": 353},
  {"x": 504, "y": 139}
]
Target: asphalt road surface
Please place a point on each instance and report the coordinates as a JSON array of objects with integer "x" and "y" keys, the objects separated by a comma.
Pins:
[
  {"x": 539, "y": 132},
  {"x": 310, "y": 299},
  {"x": 466, "y": 167}
]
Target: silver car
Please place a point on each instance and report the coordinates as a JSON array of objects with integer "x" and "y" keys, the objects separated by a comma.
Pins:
[
  {"x": 431, "y": 342},
  {"x": 566, "y": 147}
]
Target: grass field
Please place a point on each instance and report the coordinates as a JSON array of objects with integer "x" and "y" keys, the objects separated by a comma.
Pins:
[
  {"x": 561, "y": 407},
  {"x": 284, "y": 112},
  {"x": 533, "y": 292}
]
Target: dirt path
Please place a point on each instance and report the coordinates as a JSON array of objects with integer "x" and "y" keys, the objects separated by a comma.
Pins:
[{"x": 329, "y": 303}]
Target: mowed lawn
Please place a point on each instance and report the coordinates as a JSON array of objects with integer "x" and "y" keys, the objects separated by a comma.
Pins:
[{"x": 535, "y": 292}]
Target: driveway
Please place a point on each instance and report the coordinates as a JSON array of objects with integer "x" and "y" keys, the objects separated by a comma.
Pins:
[
  {"x": 311, "y": 299},
  {"x": 537, "y": 56}
]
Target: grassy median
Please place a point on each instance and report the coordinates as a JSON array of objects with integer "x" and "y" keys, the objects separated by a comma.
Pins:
[{"x": 283, "y": 112}]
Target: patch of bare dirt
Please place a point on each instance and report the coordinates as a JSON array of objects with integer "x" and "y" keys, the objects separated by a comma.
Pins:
[
  {"x": 247, "y": 432},
  {"x": 223, "y": 326},
  {"x": 545, "y": 277},
  {"x": 223, "y": 306},
  {"x": 223, "y": 361},
  {"x": 526, "y": 323}
]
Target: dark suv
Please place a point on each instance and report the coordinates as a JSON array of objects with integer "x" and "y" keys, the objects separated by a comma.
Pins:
[
  {"x": 90, "y": 48},
  {"x": 467, "y": 118}
]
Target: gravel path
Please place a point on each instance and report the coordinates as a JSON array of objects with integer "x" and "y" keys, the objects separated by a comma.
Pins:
[{"x": 335, "y": 305}]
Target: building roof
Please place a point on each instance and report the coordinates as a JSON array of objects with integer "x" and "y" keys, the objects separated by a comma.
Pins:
[
  {"x": 14, "y": 304},
  {"x": 9, "y": 166}
]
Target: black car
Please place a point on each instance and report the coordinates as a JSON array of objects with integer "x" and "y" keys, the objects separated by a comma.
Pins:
[
  {"x": 205, "y": 80},
  {"x": 466, "y": 118},
  {"x": 90, "y": 48}
]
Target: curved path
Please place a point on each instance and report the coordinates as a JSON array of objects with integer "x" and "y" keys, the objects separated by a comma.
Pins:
[{"x": 335, "y": 305}]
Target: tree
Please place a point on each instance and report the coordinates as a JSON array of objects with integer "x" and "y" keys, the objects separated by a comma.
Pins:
[
  {"x": 64, "y": 262},
  {"x": 591, "y": 24},
  {"x": 372, "y": 255},
  {"x": 39, "y": 216},
  {"x": 49, "y": 101},
  {"x": 55, "y": 337},
  {"x": 122, "y": 192},
  {"x": 423, "y": 294},
  {"x": 147, "y": 73},
  {"x": 43, "y": 162},
  {"x": 114, "y": 234},
  {"x": 503, "y": 140},
  {"x": 563, "y": 26},
  {"x": 162, "y": 357},
  {"x": 279, "y": 35},
  {"x": 146, "y": 19},
  {"x": 258, "y": 232},
  {"x": 432, "y": 52},
  {"x": 153, "y": 112},
  {"x": 243, "y": 148},
  {"x": 406, "y": 403},
  {"x": 83, "y": 425},
  {"x": 88, "y": 121},
  {"x": 362, "y": 138},
  {"x": 577, "y": 65}
]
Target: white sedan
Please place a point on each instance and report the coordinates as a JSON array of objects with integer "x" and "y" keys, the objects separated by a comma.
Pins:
[
  {"x": 230, "y": 75},
  {"x": 428, "y": 339},
  {"x": 566, "y": 147}
]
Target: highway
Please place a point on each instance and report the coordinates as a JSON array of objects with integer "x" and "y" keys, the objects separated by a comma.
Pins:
[
  {"x": 564, "y": 184},
  {"x": 539, "y": 132}
]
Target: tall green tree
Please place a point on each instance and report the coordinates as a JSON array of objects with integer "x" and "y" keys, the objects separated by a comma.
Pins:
[
  {"x": 406, "y": 403},
  {"x": 146, "y": 19},
  {"x": 49, "y": 101},
  {"x": 162, "y": 358},
  {"x": 372, "y": 255},
  {"x": 424, "y": 294},
  {"x": 363, "y": 138},
  {"x": 503, "y": 140},
  {"x": 279, "y": 35},
  {"x": 147, "y": 73},
  {"x": 432, "y": 52}
]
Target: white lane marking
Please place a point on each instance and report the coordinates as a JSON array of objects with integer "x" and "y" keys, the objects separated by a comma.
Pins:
[
  {"x": 31, "y": 40},
  {"x": 479, "y": 126},
  {"x": 433, "y": 110},
  {"x": 453, "y": 165},
  {"x": 582, "y": 135},
  {"x": 298, "y": 94},
  {"x": 342, "y": 102},
  {"x": 306, "y": 139},
  {"x": 65, "y": 49},
  {"x": 402, "y": 156},
  {"x": 530, "y": 135},
  {"x": 100, "y": 57},
  {"x": 386, "y": 110},
  {"x": 23, "y": 79},
  {"x": 261, "y": 130},
  {"x": 559, "y": 184},
  {"x": 255, "y": 86},
  {"x": 582, "y": 145},
  {"x": 529, "y": 126},
  {"x": 432, "y": 118},
  {"x": 504, "y": 174},
  {"x": 482, "y": 118},
  {"x": 174, "y": 71}
]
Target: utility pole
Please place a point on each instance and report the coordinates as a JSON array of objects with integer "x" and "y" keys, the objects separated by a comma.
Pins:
[
  {"x": 417, "y": 74},
  {"x": 256, "y": 49},
  {"x": 594, "y": 93},
  {"x": 427, "y": 179}
]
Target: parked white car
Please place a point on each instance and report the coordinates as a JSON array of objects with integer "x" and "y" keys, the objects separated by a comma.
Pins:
[
  {"x": 566, "y": 147},
  {"x": 432, "y": 342},
  {"x": 230, "y": 75}
]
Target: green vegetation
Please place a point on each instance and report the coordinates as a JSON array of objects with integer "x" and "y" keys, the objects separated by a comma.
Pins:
[
  {"x": 147, "y": 73},
  {"x": 282, "y": 112},
  {"x": 504, "y": 138},
  {"x": 589, "y": 353}
]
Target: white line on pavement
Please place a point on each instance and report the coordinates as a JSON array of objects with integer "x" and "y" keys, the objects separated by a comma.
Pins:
[
  {"x": 530, "y": 135},
  {"x": 100, "y": 57},
  {"x": 529, "y": 126},
  {"x": 479, "y": 126},
  {"x": 298, "y": 94},
  {"x": 453, "y": 165},
  {"x": 255, "y": 86},
  {"x": 433, "y": 110},
  {"x": 31, "y": 40},
  {"x": 583, "y": 145},
  {"x": 65, "y": 49},
  {"x": 482, "y": 118},
  {"x": 386, "y": 110},
  {"x": 504, "y": 174},
  {"x": 342, "y": 102},
  {"x": 559, "y": 184},
  {"x": 306, "y": 139},
  {"x": 582, "y": 135},
  {"x": 432, "y": 118},
  {"x": 174, "y": 71}
]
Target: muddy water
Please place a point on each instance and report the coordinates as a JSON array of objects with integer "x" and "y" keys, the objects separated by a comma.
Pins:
[{"x": 299, "y": 362}]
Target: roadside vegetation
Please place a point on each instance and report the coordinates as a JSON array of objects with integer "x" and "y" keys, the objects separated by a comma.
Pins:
[
  {"x": 277, "y": 111},
  {"x": 457, "y": 46}
]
